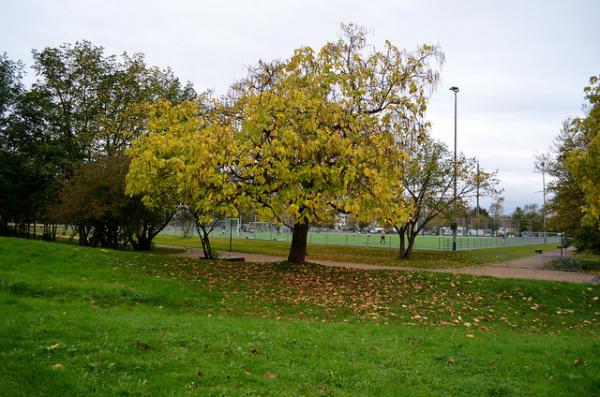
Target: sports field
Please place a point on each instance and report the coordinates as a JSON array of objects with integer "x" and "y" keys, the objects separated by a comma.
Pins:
[{"x": 438, "y": 243}]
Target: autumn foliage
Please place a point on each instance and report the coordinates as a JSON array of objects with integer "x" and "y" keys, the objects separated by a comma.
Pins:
[{"x": 301, "y": 140}]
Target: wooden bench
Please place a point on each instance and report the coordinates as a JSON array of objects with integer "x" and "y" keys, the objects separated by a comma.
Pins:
[
  {"x": 233, "y": 258},
  {"x": 226, "y": 259}
]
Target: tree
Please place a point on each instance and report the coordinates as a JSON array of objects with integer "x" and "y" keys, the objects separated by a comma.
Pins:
[
  {"x": 568, "y": 200},
  {"x": 518, "y": 219},
  {"x": 428, "y": 183},
  {"x": 495, "y": 212},
  {"x": 584, "y": 160},
  {"x": 83, "y": 106},
  {"x": 11, "y": 89},
  {"x": 315, "y": 131},
  {"x": 95, "y": 97},
  {"x": 533, "y": 217},
  {"x": 93, "y": 199},
  {"x": 476, "y": 221},
  {"x": 184, "y": 161},
  {"x": 27, "y": 157}
]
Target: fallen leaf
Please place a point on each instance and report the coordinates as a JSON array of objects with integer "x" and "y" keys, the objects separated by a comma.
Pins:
[
  {"x": 269, "y": 375},
  {"x": 58, "y": 366}
]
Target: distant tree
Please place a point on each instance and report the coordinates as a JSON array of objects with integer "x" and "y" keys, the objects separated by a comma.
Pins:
[
  {"x": 428, "y": 179},
  {"x": 496, "y": 209},
  {"x": 533, "y": 217},
  {"x": 185, "y": 221},
  {"x": 480, "y": 221},
  {"x": 518, "y": 220}
]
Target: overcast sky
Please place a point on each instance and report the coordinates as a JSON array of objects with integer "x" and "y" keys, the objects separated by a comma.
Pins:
[{"x": 521, "y": 65}]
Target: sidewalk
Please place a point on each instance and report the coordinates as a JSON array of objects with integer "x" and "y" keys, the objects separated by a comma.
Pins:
[{"x": 529, "y": 267}]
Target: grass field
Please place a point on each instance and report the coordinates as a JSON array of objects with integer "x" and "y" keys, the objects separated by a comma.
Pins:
[
  {"x": 81, "y": 321},
  {"x": 367, "y": 255},
  {"x": 437, "y": 243}
]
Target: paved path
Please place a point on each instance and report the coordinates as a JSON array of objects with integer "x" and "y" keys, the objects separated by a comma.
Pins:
[{"x": 530, "y": 267}]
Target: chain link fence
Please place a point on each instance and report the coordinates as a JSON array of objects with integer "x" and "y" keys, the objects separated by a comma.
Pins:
[{"x": 377, "y": 237}]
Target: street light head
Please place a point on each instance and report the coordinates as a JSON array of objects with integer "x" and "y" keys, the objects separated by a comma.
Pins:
[{"x": 455, "y": 89}]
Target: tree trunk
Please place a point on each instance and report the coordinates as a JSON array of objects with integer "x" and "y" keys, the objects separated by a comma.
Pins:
[
  {"x": 298, "y": 248},
  {"x": 205, "y": 240},
  {"x": 141, "y": 242},
  {"x": 412, "y": 236},
  {"x": 406, "y": 231},
  {"x": 207, "y": 248},
  {"x": 82, "y": 236},
  {"x": 402, "y": 250}
]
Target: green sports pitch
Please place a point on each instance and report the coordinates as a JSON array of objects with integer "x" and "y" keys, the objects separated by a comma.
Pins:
[{"x": 427, "y": 242}]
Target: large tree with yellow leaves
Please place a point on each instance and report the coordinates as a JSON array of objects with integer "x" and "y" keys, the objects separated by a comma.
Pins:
[
  {"x": 184, "y": 161},
  {"x": 315, "y": 134}
]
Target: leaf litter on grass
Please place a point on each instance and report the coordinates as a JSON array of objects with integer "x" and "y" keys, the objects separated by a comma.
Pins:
[{"x": 283, "y": 290}]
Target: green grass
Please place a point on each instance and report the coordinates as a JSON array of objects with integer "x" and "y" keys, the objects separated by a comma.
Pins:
[
  {"x": 590, "y": 261},
  {"x": 367, "y": 255},
  {"x": 439, "y": 243},
  {"x": 125, "y": 323}
]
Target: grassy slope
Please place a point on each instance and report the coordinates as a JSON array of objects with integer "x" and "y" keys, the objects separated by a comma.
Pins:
[
  {"x": 123, "y": 323},
  {"x": 368, "y": 255}
]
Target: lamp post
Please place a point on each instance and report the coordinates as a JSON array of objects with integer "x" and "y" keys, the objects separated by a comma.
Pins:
[
  {"x": 543, "y": 164},
  {"x": 478, "y": 225},
  {"x": 454, "y": 224}
]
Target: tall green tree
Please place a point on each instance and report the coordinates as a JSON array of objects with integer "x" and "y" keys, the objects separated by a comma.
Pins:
[
  {"x": 95, "y": 97},
  {"x": 84, "y": 105},
  {"x": 25, "y": 170}
]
